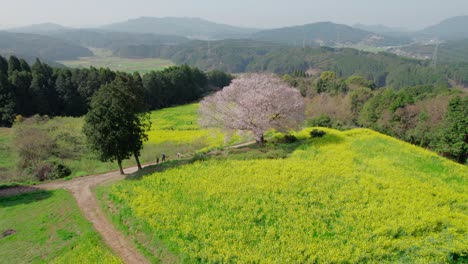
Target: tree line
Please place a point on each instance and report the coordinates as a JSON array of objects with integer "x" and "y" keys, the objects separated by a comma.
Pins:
[
  {"x": 238, "y": 56},
  {"x": 26, "y": 89}
]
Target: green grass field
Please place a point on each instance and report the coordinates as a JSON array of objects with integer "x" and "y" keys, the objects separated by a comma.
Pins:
[
  {"x": 120, "y": 64},
  {"x": 105, "y": 59},
  {"x": 349, "y": 197},
  {"x": 49, "y": 229},
  {"x": 174, "y": 130}
]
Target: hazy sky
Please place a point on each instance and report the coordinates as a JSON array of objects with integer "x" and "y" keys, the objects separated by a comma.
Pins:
[{"x": 412, "y": 14}]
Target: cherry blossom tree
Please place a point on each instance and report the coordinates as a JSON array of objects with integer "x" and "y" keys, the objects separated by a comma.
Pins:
[{"x": 256, "y": 103}]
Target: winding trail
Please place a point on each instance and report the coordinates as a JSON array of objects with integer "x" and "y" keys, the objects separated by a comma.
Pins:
[{"x": 81, "y": 189}]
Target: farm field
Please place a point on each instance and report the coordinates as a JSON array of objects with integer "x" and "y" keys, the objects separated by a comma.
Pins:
[
  {"x": 49, "y": 228},
  {"x": 174, "y": 130},
  {"x": 353, "y": 196},
  {"x": 120, "y": 64}
]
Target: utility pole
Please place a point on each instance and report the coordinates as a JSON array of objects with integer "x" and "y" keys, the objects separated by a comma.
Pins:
[{"x": 435, "y": 55}]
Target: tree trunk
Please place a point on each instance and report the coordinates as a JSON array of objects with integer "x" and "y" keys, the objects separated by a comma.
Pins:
[
  {"x": 137, "y": 161},
  {"x": 260, "y": 140},
  {"x": 119, "y": 161}
]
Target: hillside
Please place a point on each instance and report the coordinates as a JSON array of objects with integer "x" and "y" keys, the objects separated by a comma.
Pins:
[
  {"x": 173, "y": 130},
  {"x": 450, "y": 29},
  {"x": 326, "y": 34},
  {"x": 448, "y": 52},
  {"x": 354, "y": 196},
  {"x": 44, "y": 47},
  {"x": 256, "y": 56},
  {"x": 384, "y": 30},
  {"x": 115, "y": 40},
  {"x": 43, "y": 29},
  {"x": 194, "y": 28}
]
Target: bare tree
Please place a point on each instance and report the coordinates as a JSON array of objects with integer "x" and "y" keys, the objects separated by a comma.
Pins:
[{"x": 256, "y": 103}]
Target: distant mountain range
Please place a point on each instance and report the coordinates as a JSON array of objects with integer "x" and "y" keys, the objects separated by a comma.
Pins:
[
  {"x": 57, "y": 42},
  {"x": 195, "y": 28},
  {"x": 47, "y": 48},
  {"x": 44, "y": 28},
  {"x": 327, "y": 34},
  {"x": 455, "y": 28},
  {"x": 384, "y": 30}
]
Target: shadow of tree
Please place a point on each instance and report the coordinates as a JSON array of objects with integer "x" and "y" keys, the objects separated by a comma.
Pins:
[
  {"x": 157, "y": 168},
  {"x": 25, "y": 195}
]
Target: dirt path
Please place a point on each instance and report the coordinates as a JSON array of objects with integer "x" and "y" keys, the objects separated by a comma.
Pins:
[{"x": 81, "y": 188}]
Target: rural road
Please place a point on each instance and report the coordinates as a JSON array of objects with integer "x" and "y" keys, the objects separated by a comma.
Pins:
[{"x": 81, "y": 189}]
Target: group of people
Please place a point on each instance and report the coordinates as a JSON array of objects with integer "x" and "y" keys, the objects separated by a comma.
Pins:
[{"x": 164, "y": 157}]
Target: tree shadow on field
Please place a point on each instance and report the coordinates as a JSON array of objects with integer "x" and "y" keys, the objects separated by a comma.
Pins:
[
  {"x": 163, "y": 166},
  {"x": 270, "y": 150},
  {"x": 26, "y": 195}
]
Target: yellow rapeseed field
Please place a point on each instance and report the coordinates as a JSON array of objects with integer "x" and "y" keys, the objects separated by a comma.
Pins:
[
  {"x": 349, "y": 197},
  {"x": 176, "y": 129}
]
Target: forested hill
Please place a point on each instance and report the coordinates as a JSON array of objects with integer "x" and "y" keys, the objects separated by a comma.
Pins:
[
  {"x": 43, "y": 28},
  {"x": 327, "y": 34},
  {"x": 181, "y": 26},
  {"x": 32, "y": 46},
  {"x": 450, "y": 29},
  {"x": 115, "y": 40},
  {"x": 237, "y": 56},
  {"x": 447, "y": 52}
]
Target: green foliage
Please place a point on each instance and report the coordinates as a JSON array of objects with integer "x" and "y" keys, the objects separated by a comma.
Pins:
[
  {"x": 219, "y": 79},
  {"x": 7, "y": 103},
  {"x": 454, "y": 140},
  {"x": 115, "y": 127},
  {"x": 316, "y": 133},
  {"x": 321, "y": 121}
]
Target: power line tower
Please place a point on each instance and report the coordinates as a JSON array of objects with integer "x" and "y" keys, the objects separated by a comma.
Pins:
[
  {"x": 435, "y": 56},
  {"x": 208, "y": 52}
]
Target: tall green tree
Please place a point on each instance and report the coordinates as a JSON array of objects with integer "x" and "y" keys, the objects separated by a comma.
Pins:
[
  {"x": 7, "y": 103},
  {"x": 455, "y": 132},
  {"x": 114, "y": 127},
  {"x": 3, "y": 66},
  {"x": 14, "y": 64},
  {"x": 21, "y": 83}
]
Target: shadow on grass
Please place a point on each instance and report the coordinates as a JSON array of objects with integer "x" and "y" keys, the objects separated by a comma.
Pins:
[
  {"x": 25, "y": 195},
  {"x": 271, "y": 150},
  {"x": 157, "y": 168}
]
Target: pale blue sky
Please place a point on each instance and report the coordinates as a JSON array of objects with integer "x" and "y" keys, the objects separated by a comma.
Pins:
[{"x": 414, "y": 14}]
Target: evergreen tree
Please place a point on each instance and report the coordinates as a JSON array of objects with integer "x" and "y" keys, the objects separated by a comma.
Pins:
[
  {"x": 14, "y": 64},
  {"x": 45, "y": 97},
  {"x": 114, "y": 127},
  {"x": 455, "y": 138},
  {"x": 3, "y": 66},
  {"x": 7, "y": 103},
  {"x": 25, "y": 66},
  {"x": 20, "y": 83}
]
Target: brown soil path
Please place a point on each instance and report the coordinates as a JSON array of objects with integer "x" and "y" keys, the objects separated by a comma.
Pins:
[{"x": 81, "y": 188}]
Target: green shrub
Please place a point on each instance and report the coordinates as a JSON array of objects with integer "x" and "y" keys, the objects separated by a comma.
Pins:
[
  {"x": 317, "y": 133},
  {"x": 321, "y": 121}
]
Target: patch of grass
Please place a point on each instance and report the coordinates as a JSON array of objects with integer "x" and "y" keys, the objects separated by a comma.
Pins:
[
  {"x": 49, "y": 228},
  {"x": 7, "y": 155},
  {"x": 352, "y": 196},
  {"x": 120, "y": 64}
]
